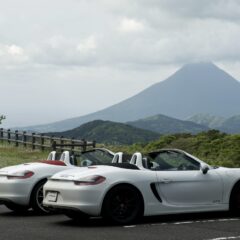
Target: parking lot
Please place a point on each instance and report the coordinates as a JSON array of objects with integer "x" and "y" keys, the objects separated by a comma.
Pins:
[{"x": 217, "y": 226}]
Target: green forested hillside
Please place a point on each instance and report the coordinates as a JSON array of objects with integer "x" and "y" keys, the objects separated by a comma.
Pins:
[
  {"x": 231, "y": 125},
  {"x": 168, "y": 125},
  {"x": 207, "y": 120},
  {"x": 108, "y": 132},
  {"x": 214, "y": 147}
]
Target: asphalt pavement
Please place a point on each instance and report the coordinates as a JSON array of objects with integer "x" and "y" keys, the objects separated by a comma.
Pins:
[{"x": 208, "y": 226}]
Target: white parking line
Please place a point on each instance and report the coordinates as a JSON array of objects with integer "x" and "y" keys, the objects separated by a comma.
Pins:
[
  {"x": 178, "y": 223},
  {"x": 225, "y": 238},
  {"x": 190, "y": 222},
  {"x": 130, "y": 226},
  {"x": 201, "y": 221}
]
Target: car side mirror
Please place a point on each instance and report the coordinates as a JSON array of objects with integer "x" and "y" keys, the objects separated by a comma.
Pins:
[{"x": 204, "y": 168}]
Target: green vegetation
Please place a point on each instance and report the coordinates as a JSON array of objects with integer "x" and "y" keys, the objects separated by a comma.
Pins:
[
  {"x": 167, "y": 125},
  {"x": 229, "y": 125},
  {"x": 208, "y": 120},
  {"x": 10, "y": 155},
  {"x": 108, "y": 132},
  {"x": 214, "y": 147}
]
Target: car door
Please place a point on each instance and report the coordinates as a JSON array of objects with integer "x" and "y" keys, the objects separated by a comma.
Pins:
[{"x": 182, "y": 183}]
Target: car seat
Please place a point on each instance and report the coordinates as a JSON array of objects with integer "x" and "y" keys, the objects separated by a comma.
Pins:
[
  {"x": 137, "y": 160},
  {"x": 118, "y": 158},
  {"x": 52, "y": 156},
  {"x": 147, "y": 163},
  {"x": 65, "y": 157}
]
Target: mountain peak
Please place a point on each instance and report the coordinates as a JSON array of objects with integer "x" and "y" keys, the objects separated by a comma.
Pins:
[
  {"x": 195, "y": 88},
  {"x": 205, "y": 68},
  {"x": 202, "y": 72},
  {"x": 200, "y": 65}
]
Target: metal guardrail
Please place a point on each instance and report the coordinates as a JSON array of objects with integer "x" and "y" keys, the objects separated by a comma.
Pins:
[{"x": 42, "y": 142}]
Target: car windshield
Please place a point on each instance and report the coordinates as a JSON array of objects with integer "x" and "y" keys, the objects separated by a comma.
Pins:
[
  {"x": 93, "y": 157},
  {"x": 172, "y": 161}
]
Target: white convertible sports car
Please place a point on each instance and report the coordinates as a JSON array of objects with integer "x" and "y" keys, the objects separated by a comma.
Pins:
[
  {"x": 21, "y": 186},
  {"x": 167, "y": 181}
]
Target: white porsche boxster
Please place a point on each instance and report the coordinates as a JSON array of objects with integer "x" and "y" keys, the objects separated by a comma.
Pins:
[
  {"x": 167, "y": 181},
  {"x": 21, "y": 186}
]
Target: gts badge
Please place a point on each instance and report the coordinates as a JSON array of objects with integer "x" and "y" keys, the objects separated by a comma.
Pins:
[{"x": 66, "y": 176}]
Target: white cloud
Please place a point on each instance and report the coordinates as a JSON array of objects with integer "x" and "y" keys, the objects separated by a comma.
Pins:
[
  {"x": 57, "y": 41},
  {"x": 11, "y": 55},
  {"x": 62, "y": 50},
  {"x": 15, "y": 50},
  {"x": 130, "y": 25},
  {"x": 87, "y": 44}
]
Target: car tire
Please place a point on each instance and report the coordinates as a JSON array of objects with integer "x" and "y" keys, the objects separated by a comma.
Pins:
[
  {"x": 37, "y": 198},
  {"x": 235, "y": 200},
  {"x": 123, "y": 204},
  {"x": 16, "y": 207}
]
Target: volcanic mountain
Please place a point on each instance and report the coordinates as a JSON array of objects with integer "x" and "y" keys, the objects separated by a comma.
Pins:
[{"x": 195, "y": 88}]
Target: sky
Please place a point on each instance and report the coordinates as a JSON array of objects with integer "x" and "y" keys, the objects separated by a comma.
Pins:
[{"x": 67, "y": 58}]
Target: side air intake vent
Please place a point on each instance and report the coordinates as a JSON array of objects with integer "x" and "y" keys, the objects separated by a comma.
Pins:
[{"x": 155, "y": 192}]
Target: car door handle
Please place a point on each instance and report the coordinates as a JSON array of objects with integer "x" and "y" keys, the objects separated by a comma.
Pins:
[{"x": 165, "y": 181}]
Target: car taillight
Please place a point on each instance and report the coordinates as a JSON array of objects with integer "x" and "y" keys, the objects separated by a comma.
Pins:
[
  {"x": 20, "y": 175},
  {"x": 90, "y": 180}
]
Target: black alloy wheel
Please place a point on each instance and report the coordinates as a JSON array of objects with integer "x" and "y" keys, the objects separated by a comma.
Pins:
[
  {"x": 37, "y": 198},
  {"x": 123, "y": 205},
  {"x": 235, "y": 200}
]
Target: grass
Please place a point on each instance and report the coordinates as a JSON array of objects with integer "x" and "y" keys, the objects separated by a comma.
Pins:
[{"x": 10, "y": 155}]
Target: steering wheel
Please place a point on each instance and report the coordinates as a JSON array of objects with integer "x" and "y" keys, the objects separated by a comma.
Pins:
[
  {"x": 182, "y": 167},
  {"x": 86, "y": 163}
]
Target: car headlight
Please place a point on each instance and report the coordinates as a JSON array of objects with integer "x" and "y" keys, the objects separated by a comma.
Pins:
[
  {"x": 20, "y": 175},
  {"x": 90, "y": 180}
]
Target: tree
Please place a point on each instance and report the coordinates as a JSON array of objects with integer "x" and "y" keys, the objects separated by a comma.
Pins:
[{"x": 2, "y": 117}]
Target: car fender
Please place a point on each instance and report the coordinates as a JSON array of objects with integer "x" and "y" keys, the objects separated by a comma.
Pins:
[{"x": 134, "y": 179}]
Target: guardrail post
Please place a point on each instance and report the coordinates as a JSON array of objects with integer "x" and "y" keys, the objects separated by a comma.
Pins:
[
  {"x": 42, "y": 142},
  {"x": 61, "y": 144},
  {"x": 33, "y": 141},
  {"x": 52, "y": 142},
  {"x": 16, "y": 138},
  {"x": 9, "y": 136},
  {"x": 24, "y": 139},
  {"x": 84, "y": 147},
  {"x": 94, "y": 144},
  {"x": 1, "y": 134},
  {"x": 72, "y": 145},
  {"x": 54, "y": 147}
]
